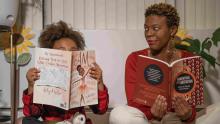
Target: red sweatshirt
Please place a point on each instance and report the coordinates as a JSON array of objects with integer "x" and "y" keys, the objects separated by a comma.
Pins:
[
  {"x": 130, "y": 80},
  {"x": 51, "y": 113}
]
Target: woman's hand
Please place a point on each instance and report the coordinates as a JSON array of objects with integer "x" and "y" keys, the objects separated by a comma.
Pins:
[
  {"x": 32, "y": 75},
  {"x": 182, "y": 108},
  {"x": 159, "y": 107},
  {"x": 96, "y": 73}
]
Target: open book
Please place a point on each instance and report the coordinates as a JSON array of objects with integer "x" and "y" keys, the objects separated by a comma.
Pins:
[
  {"x": 64, "y": 78},
  {"x": 183, "y": 77}
]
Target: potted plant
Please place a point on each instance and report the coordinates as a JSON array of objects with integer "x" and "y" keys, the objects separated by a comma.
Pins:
[{"x": 201, "y": 48}]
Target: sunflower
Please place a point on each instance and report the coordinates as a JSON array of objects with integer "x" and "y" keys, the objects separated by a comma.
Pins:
[{"x": 23, "y": 48}]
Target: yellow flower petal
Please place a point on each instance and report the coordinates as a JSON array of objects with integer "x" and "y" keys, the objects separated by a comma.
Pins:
[
  {"x": 29, "y": 36},
  {"x": 184, "y": 43},
  {"x": 24, "y": 46},
  {"x": 20, "y": 50},
  {"x": 25, "y": 31},
  {"x": 182, "y": 34},
  {"x": 8, "y": 51},
  {"x": 26, "y": 49},
  {"x": 28, "y": 43}
]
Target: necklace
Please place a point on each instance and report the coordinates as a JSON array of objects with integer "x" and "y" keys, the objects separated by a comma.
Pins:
[{"x": 169, "y": 56}]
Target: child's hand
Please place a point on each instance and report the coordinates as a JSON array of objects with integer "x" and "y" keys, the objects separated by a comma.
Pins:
[
  {"x": 159, "y": 107},
  {"x": 32, "y": 75},
  {"x": 182, "y": 108},
  {"x": 96, "y": 73}
]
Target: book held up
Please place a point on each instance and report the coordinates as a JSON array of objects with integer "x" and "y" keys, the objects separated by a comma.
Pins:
[
  {"x": 183, "y": 77},
  {"x": 64, "y": 78}
]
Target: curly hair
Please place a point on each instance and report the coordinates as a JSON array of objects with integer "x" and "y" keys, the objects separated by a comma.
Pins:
[
  {"x": 57, "y": 31},
  {"x": 163, "y": 9}
]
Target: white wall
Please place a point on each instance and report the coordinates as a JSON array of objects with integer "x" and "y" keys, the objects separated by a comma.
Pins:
[
  {"x": 112, "y": 49},
  {"x": 129, "y": 14}
]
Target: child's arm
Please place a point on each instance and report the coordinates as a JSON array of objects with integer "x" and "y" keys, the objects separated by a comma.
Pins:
[
  {"x": 31, "y": 109},
  {"x": 96, "y": 73},
  {"x": 103, "y": 98}
]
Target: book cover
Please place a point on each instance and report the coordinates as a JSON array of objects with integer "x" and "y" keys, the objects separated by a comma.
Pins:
[
  {"x": 183, "y": 77},
  {"x": 60, "y": 81},
  {"x": 83, "y": 87}
]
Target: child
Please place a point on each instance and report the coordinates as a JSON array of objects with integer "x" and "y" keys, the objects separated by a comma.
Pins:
[{"x": 60, "y": 36}]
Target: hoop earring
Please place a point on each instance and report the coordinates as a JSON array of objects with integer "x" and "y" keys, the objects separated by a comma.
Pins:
[
  {"x": 171, "y": 50},
  {"x": 172, "y": 43}
]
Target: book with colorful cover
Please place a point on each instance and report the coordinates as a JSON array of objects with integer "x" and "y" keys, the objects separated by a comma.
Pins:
[
  {"x": 183, "y": 77},
  {"x": 61, "y": 82}
]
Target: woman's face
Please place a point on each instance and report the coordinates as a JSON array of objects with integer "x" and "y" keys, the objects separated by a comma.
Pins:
[
  {"x": 157, "y": 33},
  {"x": 66, "y": 44}
]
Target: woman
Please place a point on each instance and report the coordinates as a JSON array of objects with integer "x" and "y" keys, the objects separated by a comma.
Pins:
[
  {"x": 161, "y": 25},
  {"x": 60, "y": 36}
]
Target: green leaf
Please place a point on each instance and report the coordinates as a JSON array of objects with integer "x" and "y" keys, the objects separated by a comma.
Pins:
[
  {"x": 195, "y": 45},
  {"x": 206, "y": 44},
  {"x": 204, "y": 72},
  {"x": 216, "y": 37},
  {"x": 210, "y": 59},
  {"x": 181, "y": 47},
  {"x": 24, "y": 59},
  {"x": 8, "y": 57}
]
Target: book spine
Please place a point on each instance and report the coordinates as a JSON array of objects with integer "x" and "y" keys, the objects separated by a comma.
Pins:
[
  {"x": 169, "y": 98},
  {"x": 70, "y": 83}
]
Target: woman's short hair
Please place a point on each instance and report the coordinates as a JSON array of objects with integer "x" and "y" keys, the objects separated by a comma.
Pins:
[
  {"x": 57, "y": 31},
  {"x": 163, "y": 9}
]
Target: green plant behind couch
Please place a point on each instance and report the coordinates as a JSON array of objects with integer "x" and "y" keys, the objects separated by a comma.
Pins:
[{"x": 202, "y": 48}]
